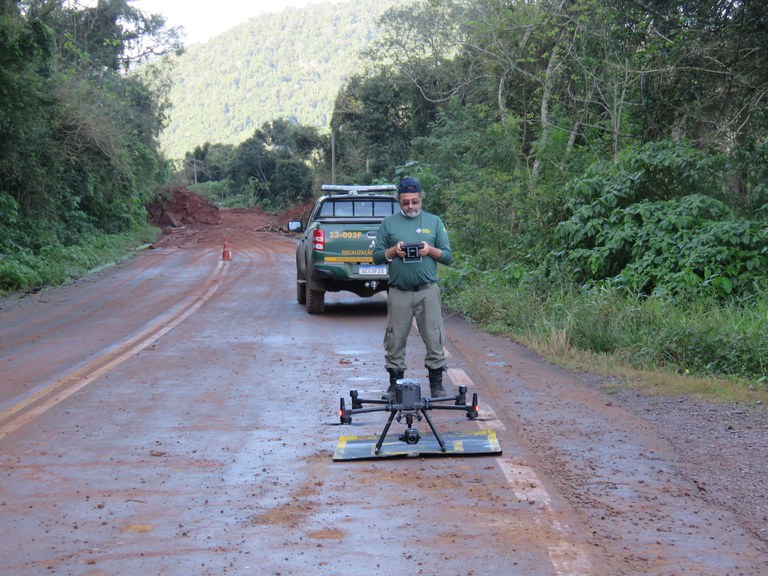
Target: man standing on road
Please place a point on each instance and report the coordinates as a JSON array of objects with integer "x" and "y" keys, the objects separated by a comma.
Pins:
[{"x": 412, "y": 242}]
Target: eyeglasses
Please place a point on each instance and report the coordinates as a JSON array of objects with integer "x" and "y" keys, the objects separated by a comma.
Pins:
[{"x": 415, "y": 202}]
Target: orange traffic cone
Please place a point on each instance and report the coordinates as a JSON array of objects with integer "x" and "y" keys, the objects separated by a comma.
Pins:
[{"x": 226, "y": 254}]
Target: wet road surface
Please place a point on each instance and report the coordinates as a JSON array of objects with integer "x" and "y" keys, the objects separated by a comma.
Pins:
[{"x": 177, "y": 414}]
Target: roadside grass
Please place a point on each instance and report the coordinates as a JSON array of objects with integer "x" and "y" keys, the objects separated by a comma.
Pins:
[
  {"x": 660, "y": 381},
  {"x": 705, "y": 348},
  {"x": 27, "y": 271}
]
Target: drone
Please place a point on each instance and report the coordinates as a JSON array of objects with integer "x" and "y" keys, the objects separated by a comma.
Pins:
[{"x": 407, "y": 403}]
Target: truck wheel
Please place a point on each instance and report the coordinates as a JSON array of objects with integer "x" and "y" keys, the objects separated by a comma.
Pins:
[
  {"x": 315, "y": 301},
  {"x": 301, "y": 292}
]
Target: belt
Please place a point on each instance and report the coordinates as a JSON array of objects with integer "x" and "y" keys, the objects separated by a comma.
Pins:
[{"x": 412, "y": 288}]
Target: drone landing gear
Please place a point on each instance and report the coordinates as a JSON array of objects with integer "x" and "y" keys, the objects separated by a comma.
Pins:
[{"x": 408, "y": 405}]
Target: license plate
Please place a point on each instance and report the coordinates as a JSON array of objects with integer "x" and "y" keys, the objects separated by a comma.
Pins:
[{"x": 373, "y": 270}]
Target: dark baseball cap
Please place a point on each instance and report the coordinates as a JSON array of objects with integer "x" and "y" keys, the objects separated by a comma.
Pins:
[{"x": 408, "y": 186}]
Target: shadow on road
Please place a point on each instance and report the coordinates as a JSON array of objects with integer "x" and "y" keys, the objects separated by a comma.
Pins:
[{"x": 350, "y": 308}]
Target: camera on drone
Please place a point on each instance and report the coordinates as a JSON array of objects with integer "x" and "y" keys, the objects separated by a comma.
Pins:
[{"x": 411, "y": 250}]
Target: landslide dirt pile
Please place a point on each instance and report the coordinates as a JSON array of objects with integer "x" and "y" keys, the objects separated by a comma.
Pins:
[{"x": 181, "y": 207}]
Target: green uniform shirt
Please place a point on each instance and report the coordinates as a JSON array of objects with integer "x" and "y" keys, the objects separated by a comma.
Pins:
[{"x": 400, "y": 228}]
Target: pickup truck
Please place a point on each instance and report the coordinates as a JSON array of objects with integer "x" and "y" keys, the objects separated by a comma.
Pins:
[{"x": 335, "y": 250}]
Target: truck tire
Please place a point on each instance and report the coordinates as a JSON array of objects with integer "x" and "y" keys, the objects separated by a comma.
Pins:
[
  {"x": 315, "y": 301},
  {"x": 301, "y": 292}
]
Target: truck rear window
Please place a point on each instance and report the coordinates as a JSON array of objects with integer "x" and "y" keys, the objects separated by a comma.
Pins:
[{"x": 357, "y": 208}]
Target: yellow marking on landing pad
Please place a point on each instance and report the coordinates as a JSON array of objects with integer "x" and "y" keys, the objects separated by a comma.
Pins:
[{"x": 138, "y": 528}]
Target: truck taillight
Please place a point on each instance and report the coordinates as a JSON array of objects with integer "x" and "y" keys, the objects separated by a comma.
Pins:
[{"x": 318, "y": 240}]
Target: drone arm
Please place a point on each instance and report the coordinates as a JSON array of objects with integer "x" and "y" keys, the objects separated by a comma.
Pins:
[
  {"x": 384, "y": 433},
  {"x": 434, "y": 430}
]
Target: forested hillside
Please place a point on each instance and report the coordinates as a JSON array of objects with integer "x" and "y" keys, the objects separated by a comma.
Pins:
[{"x": 290, "y": 64}]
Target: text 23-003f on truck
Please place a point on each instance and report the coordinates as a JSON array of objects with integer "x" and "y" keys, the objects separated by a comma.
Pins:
[{"x": 335, "y": 251}]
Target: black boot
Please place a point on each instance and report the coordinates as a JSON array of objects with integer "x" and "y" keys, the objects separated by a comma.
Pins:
[
  {"x": 394, "y": 376},
  {"x": 436, "y": 383}
]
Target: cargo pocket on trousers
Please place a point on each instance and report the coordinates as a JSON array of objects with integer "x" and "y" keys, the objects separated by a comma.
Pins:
[
  {"x": 387, "y": 337},
  {"x": 441, "y": 335}
]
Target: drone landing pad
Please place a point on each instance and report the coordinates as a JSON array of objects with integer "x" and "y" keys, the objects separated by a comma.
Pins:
[{"x": 456, "y": 444}]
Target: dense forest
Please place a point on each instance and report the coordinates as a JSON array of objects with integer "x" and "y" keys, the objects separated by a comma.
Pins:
[{"x": 601, "y": 166}]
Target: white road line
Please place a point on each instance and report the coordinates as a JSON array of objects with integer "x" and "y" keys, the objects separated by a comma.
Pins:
[
  {"x": 459, "y": 377},
  {"x": 567, "y": 558},
  {"x": 490, "y": 420},
  {"x": 570, "y": 560},
  {"x": 525, "y": 483}
]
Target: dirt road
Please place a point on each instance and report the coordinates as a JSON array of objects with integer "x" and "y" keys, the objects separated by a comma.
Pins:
[{"x": 177, "y": 414}]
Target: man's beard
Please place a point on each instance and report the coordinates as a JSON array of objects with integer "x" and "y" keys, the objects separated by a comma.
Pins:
[{"x": 411, "y": 212}]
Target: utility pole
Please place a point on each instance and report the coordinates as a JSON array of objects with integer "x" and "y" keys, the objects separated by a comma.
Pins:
[{"x": 333, "y": 157}]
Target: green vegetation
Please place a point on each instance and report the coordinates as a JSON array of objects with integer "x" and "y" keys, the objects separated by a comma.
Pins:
[
  {"x": 78, "y": 135},
  {"x": 270, "y": 169},
  {"x": 704, "y": 336}
]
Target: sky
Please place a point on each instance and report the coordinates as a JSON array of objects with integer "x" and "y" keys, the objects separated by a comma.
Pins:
[{"x": 202, "y": 20}]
